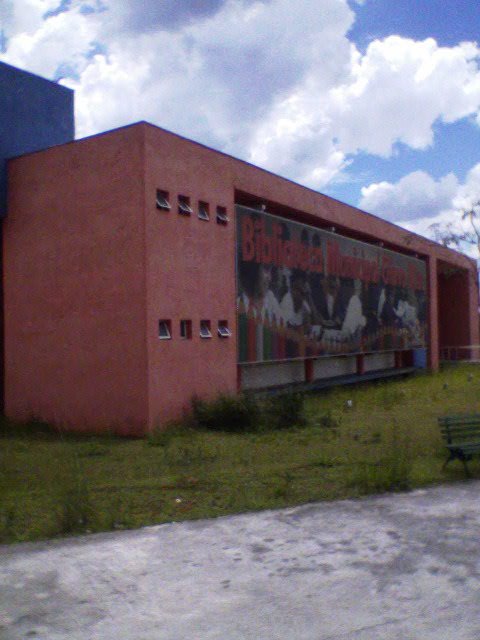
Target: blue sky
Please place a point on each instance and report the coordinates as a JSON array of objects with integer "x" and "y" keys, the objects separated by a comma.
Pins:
[
  {"x": 374, "y": 102},
  {"x": 449, "y": 22},
  {"x": 456, "y": 146}
]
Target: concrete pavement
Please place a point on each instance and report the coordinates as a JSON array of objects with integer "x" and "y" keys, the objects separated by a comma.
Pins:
[{"x": 390, "y": 567}]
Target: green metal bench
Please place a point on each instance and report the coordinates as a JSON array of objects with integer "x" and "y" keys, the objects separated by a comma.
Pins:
[{"x": 462, "y": 437}]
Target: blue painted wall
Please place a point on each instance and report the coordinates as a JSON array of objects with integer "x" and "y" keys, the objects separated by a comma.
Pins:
[{"x": 34, "y": 114}]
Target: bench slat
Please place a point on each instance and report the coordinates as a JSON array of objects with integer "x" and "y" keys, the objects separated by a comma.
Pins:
[
  {"x": 446, "y": 424},
  {"x": 460, "y": 416},
  {"x": 460, "y": 429},
  {"x": 462, "y": 435},
  {"x": 459, "y": 423},
  {"x": 464, "y": 446}
]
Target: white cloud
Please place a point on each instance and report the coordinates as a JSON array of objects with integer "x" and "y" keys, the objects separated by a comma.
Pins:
[
  {"x": 417, "y": 201},
  {"x": 416, "y": 195},
  {"x": 159, "y": 14},
  {"x": 280, "y": 87},
  {"x": 63, "y": 40},
  {"x": 468, "y": 193},
  {"x": 396, "y": 92},
  {"x": 217, "y": 77},
  {"x": 399, "y": 89},
  {"x": 44, "y": 45},
  {"x": 24, "y": 16}
]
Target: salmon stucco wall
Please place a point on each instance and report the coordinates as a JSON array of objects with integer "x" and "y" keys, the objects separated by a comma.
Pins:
[
  {"x": 190, "y": 275},
  {"x": 191, "y": 263},
  {"x": 74, "y": 278},
  {"x": 92, "y": 266}
]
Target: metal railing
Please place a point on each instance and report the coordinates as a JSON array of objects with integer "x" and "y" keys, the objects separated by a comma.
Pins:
[{"x": 464, "y": 353}]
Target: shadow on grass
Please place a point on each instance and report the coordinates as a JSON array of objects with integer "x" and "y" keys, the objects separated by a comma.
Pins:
[{"x": 37, "y": 429}]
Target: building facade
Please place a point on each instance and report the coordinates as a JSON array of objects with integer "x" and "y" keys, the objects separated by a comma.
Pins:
[{"x": 142, "y": 269}]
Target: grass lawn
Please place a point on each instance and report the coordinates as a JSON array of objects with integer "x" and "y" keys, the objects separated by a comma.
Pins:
[{"x": 387, "y": 440}]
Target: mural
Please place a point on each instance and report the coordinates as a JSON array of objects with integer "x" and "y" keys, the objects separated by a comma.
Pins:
[{"x": 305, "y": 292}]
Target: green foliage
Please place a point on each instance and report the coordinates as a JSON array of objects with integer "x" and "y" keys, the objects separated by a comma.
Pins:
[
  {"x": 76, "y": 512},
  {"x": 245, "y": 413},
  {"x": 94, "y": 450},
  {"x": 164, "y": 435},
  {"x": 378, "y": 477},
  {"x": 328, "y": 420},
  {"x": 233, "y": 413},
  {"x": 8, "y": 522},
  {"x": 283, "y": 485},
  {"x": 385, "y": 468},
  {"x": 35, "y": 427},
  {"x": 284, "y": 411},
  {"x": 391, "y": 396},
  {"x": 61, "y": 484}
]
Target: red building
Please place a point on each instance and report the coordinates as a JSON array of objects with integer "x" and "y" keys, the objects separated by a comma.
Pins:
[{"x": 122, "y": 278}]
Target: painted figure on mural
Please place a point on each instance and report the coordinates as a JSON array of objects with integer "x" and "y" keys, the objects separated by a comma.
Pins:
[
  {"x": 303, "y": 294},
  {"x": 330, "y": 305},
  {"x": 406, "y": 310},
  {"x": 407, "y": 314},
  {"x": 295, "y": 306},
  {"x": 387, "y": 315},
  {"x": 354, "y": 321},
  {"x": 257, "y": 296}
]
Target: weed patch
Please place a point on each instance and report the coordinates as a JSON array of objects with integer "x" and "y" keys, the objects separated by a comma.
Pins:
[
  {"x": 163, "y": 436},
  {"x": 328, "y": 420},
  {"x": 283, "y": 485},
  {"x": 8, "y": 522},
  {"x": 284, "y": 411},
  {"x": 76, "y": 511},
  {"x": 383, "y": 468},
  {"x": 231, "y": 413},
  {"x": 242, "y": 455},
  {"x": 245, "y": 413}
]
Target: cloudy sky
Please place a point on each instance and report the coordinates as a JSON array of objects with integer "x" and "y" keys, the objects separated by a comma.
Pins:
[{"x": 374, "y": 102}]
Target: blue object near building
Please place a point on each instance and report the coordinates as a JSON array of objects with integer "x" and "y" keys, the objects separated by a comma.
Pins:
[
  {"x": 34, "y": 114},
  {"x": 420, "y": 358}
]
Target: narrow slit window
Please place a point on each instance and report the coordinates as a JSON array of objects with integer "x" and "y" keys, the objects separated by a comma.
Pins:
[
  {"x": 186, "y": 329},
  {"x": 184, "y": 207},
  {"x": 162, "y": 200},
  {"x": 223, "y": 330},
  {"x": 203, "y": 211},
  {"x": 222, "y": 217},
  {"x": 205, "y": 329},
  {"x": 164, "y": 329}
]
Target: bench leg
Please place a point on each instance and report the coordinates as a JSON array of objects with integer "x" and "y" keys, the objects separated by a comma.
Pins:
[
  {"x": 460, "y": 457},
  {"x": 447, "y": 461},
  {"x": 464, "y": 460}
]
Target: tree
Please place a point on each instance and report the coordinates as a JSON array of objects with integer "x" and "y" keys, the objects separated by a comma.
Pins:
[{"x": 451, "y": 235}]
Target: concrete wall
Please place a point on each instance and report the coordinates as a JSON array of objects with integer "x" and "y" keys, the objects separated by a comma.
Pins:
[
  {"x": 74, "y": 271},
  {"x": 34, "y": 114},
  {"x": 332, "y": 367},
  {"x": 258, "y": 376},
  {"x": 271, "y": 374},
  {"x": 377, "y": 361},
  {"x": 190, "y": 275}
]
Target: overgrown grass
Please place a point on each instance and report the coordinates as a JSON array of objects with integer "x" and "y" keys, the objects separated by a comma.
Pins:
[
  {"x": 246, "y": 413},
  {"x": 354, "y": 441}
]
